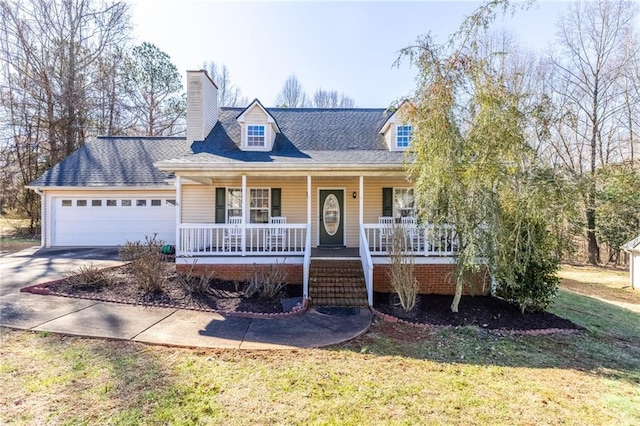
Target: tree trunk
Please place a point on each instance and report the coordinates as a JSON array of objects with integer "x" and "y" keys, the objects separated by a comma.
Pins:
[
  {"x": 457, "y": 296},
  {"x": 593, "y": 248}
]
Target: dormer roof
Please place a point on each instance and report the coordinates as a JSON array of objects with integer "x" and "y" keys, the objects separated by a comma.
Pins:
[
  {"x": 394, "y": 117},
  {"x": 241, "y": 117}
]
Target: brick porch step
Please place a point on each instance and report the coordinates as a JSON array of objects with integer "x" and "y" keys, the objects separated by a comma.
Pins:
[{"x": 337, "y": 283}]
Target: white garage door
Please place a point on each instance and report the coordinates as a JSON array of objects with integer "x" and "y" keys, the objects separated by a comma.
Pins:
[{"x": 112, "y": 221}]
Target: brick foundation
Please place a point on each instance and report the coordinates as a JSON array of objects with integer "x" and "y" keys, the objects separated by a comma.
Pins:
[
  {"x": 242, "y": 272},
  {"x": 432, "y": 279}
]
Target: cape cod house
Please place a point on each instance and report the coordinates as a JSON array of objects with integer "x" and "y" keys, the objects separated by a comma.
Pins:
[{"x": 255, "y": 186}]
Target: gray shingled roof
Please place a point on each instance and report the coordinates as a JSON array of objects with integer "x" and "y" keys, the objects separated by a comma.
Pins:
[
  {"x": 309, "y": 137},
  {"x": 115, "y": 161}
]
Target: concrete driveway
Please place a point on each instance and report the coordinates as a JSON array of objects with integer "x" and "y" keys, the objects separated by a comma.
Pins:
[
  {"x": 166, "y": 326},
  {"x": 35, "y": 265}
]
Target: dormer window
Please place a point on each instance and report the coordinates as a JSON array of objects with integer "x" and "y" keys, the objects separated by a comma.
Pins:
[
  {"x": 403, "y": 136},
  {"x": 259, "y": 128},
  {"x": 255, "y": 136}
]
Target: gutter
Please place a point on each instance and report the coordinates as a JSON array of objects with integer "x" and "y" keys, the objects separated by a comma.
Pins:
[
  {"x": 279, "y": 167},
  {"x": 166, "y": 187}
]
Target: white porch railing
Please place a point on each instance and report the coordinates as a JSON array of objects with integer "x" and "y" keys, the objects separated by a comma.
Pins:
[
  {"x": 421, "y": 240},
  {"x": 221, "y": 239},
  {"x": 367, "y": 264}
]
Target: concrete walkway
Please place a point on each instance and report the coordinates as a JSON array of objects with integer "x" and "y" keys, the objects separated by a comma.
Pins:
[{"x": 164, "y": 326}]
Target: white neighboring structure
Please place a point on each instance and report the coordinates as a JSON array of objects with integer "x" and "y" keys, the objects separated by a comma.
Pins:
[{"x": 633, "y": 248}]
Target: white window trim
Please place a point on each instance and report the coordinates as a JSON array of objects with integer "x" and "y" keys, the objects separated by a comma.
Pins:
[
  {"x": 163, "y": 201},
  {"x": 249, "y": 208},
  {"x": 397, "y": 138},
  {"x": 247, "y": 214},
  {"x": 396, "y": 212},
  {"x": 264, "y": 145}
]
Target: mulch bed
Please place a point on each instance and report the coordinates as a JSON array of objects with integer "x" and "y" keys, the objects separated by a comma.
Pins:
[
  {"x": 226, "y": 296},
  {"x": 482, "y": 311},
  {"x": 222, "y": 296}
]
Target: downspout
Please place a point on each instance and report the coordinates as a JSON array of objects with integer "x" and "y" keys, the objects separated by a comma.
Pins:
[{"x": 42, "y": 216}]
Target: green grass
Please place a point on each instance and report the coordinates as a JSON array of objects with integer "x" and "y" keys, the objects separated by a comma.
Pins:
[
  {"x": 390, "y": 375},
  {"x": 599, "y": 317}
]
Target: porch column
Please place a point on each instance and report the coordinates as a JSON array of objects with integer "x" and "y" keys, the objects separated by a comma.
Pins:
[
  {"x": 244, "y": 214},
  {"x": 178, "y": 184},
  {"x": 361, "y": 199},
  {"x": 308, "y": 200}
]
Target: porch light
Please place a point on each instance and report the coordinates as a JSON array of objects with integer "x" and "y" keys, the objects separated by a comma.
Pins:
[{"x": 355, "y": 194}]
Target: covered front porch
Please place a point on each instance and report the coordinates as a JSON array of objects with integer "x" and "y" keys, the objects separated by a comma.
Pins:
[{"x": 291, "y": 219}]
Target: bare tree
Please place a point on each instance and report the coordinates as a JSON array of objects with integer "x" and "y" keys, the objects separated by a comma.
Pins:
[
  {"x": 109, "y": 95},
  {"x": 589, "y": 69},
  {"x": 292, "y": 94},
  {"x": 50, "y": 52},
  {"x": 331, "y": 99},
  {"x": 630, "y": 122},
  {"x": 346, "y": 102},
  {"x": 325, "y": 98},
  {"x": 228, "y": 93}
]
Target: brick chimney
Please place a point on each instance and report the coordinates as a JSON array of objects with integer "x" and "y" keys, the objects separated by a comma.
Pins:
[{"x": 202, "y": 105}]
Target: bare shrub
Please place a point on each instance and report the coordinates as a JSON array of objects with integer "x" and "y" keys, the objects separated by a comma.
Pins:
[
  {"x": 402, "y": 271},
  {"x": 267, "y": 281},
  {"x": 195, "y": 285},
  {"x": 147, "y": 263},
  {"x": 90, "y": 277}
]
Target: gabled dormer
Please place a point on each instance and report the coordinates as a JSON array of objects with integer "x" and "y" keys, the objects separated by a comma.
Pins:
[
  {"x": 258, "y": 128},
  {"x": 397, "y": 130}
]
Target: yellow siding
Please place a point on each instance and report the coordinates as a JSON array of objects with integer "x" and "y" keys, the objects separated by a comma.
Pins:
[
  {"x": 198, "y": 202},
  {"x": 255, "y": 116},
  {"x": 389, "y": 135}
]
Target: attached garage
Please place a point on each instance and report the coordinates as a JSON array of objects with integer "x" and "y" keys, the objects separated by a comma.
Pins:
[
  {"x": 109, "y": 192},
  {"x": 109, "y": 220}
]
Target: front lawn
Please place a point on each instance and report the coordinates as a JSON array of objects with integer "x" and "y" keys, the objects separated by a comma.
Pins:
[{"x": 391, "y": 375}]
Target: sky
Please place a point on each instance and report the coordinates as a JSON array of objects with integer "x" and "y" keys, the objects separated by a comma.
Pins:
[{"x": 348, "y": 46}]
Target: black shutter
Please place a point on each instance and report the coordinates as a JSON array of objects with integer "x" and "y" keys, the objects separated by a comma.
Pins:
[
  {"x": 276, "y": 202},
  {"x": 387, "y": 201},
  {"x": 220, "y": 205}
]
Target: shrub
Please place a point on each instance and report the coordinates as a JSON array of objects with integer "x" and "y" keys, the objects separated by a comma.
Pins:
[
  {"x": 534, "y": 283},
  {"x": 267, "y": 281},
  {"x": 147, "y": 263},
  {"x": 402, "y": 271},
  {"x": 195, "y": 285},
  {"x": 90, "y": 277}
]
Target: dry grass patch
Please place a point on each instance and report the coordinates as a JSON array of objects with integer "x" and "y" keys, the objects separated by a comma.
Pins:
[
  {"x": 463, "y": 376},
  {"x": 609, "y": 284},
  {"x": 15, "y": 235},
  {"x": 393, "y": 374}
]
